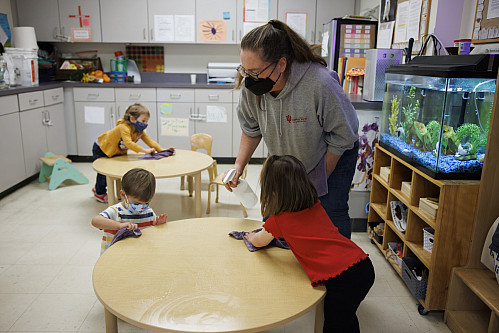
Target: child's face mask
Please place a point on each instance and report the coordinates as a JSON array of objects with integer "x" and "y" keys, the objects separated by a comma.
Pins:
[
  {"x": 139, "y": 127},
  {"x": 135, "y": 208}
]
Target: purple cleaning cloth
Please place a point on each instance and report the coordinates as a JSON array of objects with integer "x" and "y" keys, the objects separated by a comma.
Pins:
[
  {"x": 275, "y": 242},
  {"x": 159, "y": 154},
  {"x": 124, "y": 233}
]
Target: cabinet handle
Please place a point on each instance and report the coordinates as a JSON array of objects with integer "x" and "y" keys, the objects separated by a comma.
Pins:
[
  {"x": 144, "y": 31},
  {"x": 93, "y": 96},
  {"x": 54, "y": 33},
  {"x": 152, "y": 33},
  {"x": 312, "y": 36},
  {"x": 55, "y": 97},
  {"x": 134, "y": 96},
  {"x": 112, "y": 116},
  {"x": 233, "y": 31},
  {"x": 49, "y": 119},
  {"x": 62, "y": 31},
  {"x": 33, "y": 101},
  {"x": 240, "y": 34},
  {"x": 175, "y": 96},
  {"x": 212, "y": 97},
  {"x": 197, "y": 117}
]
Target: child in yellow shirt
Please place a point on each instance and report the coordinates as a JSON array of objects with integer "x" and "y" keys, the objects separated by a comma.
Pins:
[{"x": 121, "y": 138}]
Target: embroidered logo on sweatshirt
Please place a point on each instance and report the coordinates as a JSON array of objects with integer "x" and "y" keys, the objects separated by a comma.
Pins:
[{"x": 296, "y": 120}]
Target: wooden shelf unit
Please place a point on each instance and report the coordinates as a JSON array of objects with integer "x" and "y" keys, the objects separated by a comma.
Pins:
[
  {"x": 473, "y": 302},
  {"x": 453, "y": 225}
]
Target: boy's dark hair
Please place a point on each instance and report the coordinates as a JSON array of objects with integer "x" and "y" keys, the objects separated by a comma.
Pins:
[
  {"x": 285, "y": 186},
  {"x": 139, "y": 183}
]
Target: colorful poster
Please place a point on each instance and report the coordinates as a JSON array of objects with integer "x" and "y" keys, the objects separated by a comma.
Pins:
[
  {"x": 212, "y": 31},
  {"x": 81, "y": 34}
]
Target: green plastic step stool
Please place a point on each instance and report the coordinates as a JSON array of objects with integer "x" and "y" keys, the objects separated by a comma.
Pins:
[{"x": 57, "y": 168}]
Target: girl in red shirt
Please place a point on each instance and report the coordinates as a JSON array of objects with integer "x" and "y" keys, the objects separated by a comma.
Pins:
[{"x": 295, "y": 214}]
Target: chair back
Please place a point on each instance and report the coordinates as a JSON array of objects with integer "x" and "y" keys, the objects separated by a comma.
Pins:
[{"x": 201, "y": 141}]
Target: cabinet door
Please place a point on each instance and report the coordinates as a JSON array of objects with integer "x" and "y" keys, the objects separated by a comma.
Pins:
[
  {"x": 215, "y": 119},
  {"x": 55, "y": 129},
  {"x": 34, "y": 139},
  {"x": 174, "y": 126},
  {"x": 222, "y": 15},
  {"x": 42, "y": 15},
  {"x": 92, "y": 119},
  {"x": 124, "y": 21},
  {"x": 80, "y": 15},
  {"x": 152, "y": 128},
  {"x": 180, "y": 28},
  {"x": 299, "y": 15},
  {"x": 13, "y": 170},
  {"x": 251, "y": 17}
]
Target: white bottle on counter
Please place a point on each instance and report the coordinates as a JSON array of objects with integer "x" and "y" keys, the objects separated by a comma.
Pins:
[{"x": 243, "y": 191}]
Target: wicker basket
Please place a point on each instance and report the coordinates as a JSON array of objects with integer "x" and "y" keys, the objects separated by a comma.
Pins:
[
  {"x": 428, "y": 235},
  {"x": 392, "y": 252},
  {"x": 417, "y": 287}
]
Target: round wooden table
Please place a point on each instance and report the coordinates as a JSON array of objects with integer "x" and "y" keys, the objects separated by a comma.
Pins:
[
  {"x": 183, "y": 163},
  {"x": 191, "y": 276}
]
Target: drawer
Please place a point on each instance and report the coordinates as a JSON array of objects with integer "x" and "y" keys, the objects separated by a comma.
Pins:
[
  {"x": 8, "y": 104},
  {"x": 30, "y": 100},
  {"x": 213, "y": 95},
  {"x": 53, "y": 96},
  {"x": 93, "y": 94},
  {"x": 135, "y": 94},
  {"x": 175, "y": 95}
]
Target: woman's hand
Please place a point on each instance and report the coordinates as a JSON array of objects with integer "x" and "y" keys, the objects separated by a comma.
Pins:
[
  {"x": 160, "y": 219},
  {"x": 235, "y": 181},
  {"x": 129, "y": 226}
]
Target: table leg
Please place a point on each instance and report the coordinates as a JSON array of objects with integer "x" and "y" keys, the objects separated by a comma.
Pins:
[
  {"x": 118, "y": 189},
  {"x": 319, "y": 316},
  {"x": 189, "y": 185},
  {"x": 111, "y": 198},
  {"x": 111, "y": 322},
  {"x": 197, "y": 193}
]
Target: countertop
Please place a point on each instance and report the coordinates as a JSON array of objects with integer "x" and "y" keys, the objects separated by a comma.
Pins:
[{"x": 164, "y": 80}]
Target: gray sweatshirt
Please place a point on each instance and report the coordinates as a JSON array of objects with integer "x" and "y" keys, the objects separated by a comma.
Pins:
[{"x": 312, "y": 114}]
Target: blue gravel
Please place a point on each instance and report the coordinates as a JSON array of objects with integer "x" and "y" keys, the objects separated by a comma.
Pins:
[{"x": 447, "y": 164}]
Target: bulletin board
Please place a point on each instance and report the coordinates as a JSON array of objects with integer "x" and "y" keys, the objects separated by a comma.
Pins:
[
  {"x": 424, "y": 19},
  {"x": 486, "y": 24}
]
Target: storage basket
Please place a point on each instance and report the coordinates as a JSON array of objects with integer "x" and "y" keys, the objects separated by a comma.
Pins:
[
  {"x": 417, "y": 287},
  {"x": 117, "y": 77},
  {"x": 392, "y": 252},
  {"x": 428, "y": 235}
]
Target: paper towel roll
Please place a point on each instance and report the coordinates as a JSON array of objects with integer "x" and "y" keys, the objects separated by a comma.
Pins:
[{"x": 24, "y": 38}]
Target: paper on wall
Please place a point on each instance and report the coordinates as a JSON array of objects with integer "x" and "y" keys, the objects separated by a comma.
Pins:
[
  {"x": 166, "y": 108},
  {"x": 94, "y": 115},
  {"x": 164, "y": 30},
  {"x": 325, "y": 41},
  {"x": 385, "y": 35},
  {"x": 248, "y": 26},
  {"x": 184, "y": 28},
  {"x": 297, "y": 22},
  {"x": 212, "y": 31},
  {"x": 401, "y": 23},
  {"x": 493, "y": 9},
  {"x": 174, "y": 126},
  {"x": 216, "y": 114},
  {"x": 256, "y": 10},
  {"x": 414, "y": 16}
]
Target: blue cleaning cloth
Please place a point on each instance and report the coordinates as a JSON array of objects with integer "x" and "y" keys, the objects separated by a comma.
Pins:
[
  {"x": 159, "y": 154},
  {"x": 124, "y": 233},
  {"x": 275, "y": 242}
]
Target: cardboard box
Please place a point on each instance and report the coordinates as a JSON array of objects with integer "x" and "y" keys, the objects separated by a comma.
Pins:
[
  {"x": 429, "y": 206},
  {"x": 384, "y": 173},
  {"x": 406, "y": 189}
]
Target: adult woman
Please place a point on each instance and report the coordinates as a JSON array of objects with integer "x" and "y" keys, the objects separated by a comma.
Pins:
[{"x": 296, "y": 104}]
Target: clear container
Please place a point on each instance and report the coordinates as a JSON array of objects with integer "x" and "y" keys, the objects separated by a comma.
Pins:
[
  {"x": 119, "y": 64},
  {"x": 4, "y": 75}
]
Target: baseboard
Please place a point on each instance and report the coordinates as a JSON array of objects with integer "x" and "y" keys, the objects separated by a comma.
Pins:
[{"x": 18, "y": 186}]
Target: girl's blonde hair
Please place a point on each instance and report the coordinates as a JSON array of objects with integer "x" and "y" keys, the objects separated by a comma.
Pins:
[
  {"x": 275, "y": 40},
  {"x": 135, "y": 110},
  {"x": 285, "y": 186}
]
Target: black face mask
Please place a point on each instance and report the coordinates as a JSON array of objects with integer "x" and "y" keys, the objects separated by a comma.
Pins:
[{"x": 260, "y": 86}]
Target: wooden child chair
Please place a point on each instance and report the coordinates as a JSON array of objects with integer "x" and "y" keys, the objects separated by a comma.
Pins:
[
  {"x": 57, "y": 168},
  {"x": 201, "y": 141},
  {"x": 218, "y": 181}
]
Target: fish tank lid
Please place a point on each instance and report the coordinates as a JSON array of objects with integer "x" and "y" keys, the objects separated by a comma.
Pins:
[{"x": 450, "y": 66}]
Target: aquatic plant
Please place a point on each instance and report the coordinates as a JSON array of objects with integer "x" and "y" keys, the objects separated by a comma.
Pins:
[
  {"x": 409, "y": 112},
  {"x": 450, "y": 141},
  {"x": 422, "y": 140},
  {"x": 434, "y": 130},
  {"x": 393, "y": 116},
  {"x": 472, "y": 135}
]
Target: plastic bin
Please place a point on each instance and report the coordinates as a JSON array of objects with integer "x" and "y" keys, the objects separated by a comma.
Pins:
[
  {"x": 428, "y": 235},
  {"x": 117, "y": 76},
  {"x": 417, "y": 287}
]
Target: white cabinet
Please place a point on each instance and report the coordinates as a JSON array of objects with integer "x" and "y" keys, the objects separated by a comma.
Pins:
[
  {"x": 145, "y": 96},
  {"x": 95, "y": 113},
  {"x": 12, "y": 164},
  {"x": 213, "y": 115},
  {"x": 175, "y": 107},
  {"x": 80, "y": 18},
  {"x": 179, "y": 16},
  {"x": 222, "y": 15},
  {"x": 124, "y": 21},
  {"x": 327, "y": 10},
  {"x": 299, "y": 14},
  {"x": 42, "y": 127},
  {"x": 249, "y": 18},
  {"x": 42, "y": 15}
]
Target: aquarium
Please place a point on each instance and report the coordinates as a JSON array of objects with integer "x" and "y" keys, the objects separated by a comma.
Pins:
[{"x": 436, "y": 116}]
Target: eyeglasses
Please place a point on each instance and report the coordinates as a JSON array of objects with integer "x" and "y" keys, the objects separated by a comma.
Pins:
[{"x": 243, "y": 73}]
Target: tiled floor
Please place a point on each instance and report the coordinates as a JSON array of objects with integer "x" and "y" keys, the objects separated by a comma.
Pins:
[{"x": 49, "y": 247}]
